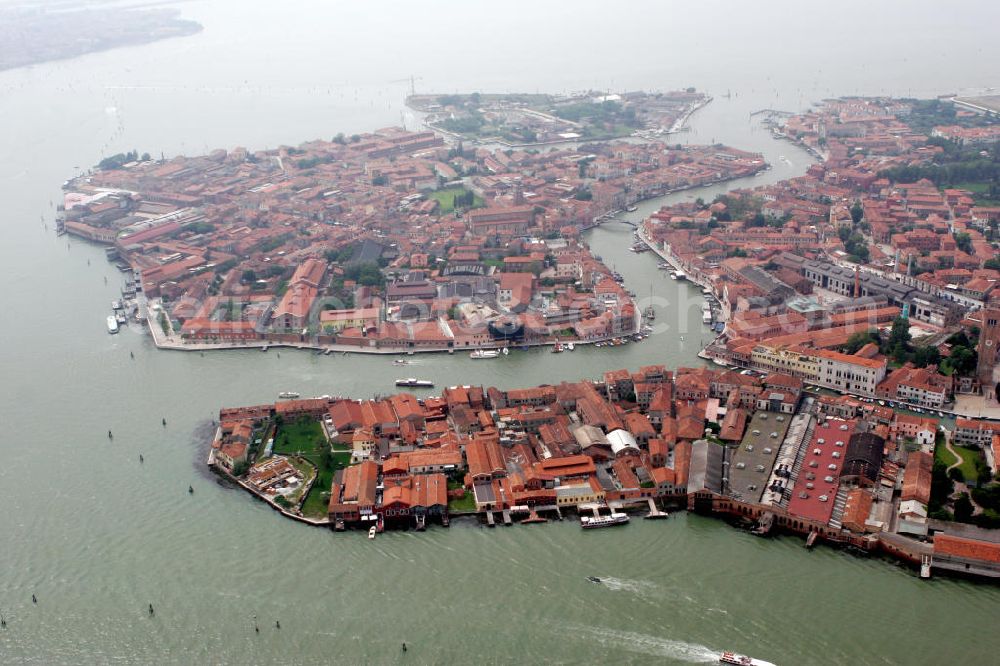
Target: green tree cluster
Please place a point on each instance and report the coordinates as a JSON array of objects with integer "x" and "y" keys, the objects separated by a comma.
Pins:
[{"x": 365, "y": 273}]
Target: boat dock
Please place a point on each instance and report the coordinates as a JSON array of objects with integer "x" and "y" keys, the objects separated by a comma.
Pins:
[{"x": 654, "y": 511}]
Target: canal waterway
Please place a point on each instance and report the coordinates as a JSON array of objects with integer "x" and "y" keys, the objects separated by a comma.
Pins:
[{"x": 97, "y": 536}]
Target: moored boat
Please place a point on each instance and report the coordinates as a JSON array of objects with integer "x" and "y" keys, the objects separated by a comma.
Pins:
[
  {"x": 570, "y": 346},
  {"x": 288, "y": 395},
  {"x": 594, "y": 522},
  {"x": 557, "y": 348},
  {"x": 484, "y": 353},
  {"x": 112, "y": 324}
]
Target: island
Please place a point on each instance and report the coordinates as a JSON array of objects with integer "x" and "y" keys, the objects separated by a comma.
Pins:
[
  {"x": 393, "y": 241},
  {"x": 533, "y": 120},
  {"x": 33, "y": 34},
  {"x": 761, "y": 450}
]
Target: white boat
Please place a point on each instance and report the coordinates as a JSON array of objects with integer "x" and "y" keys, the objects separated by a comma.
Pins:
[
  {"x": 112, "y": 324},
  {"x": 484, "y": 353},
  {"x": 413, "y": 382},
  {"x": 594, "y": 522},
  {"x": 505, "y": 351},
  {"x": 371, "y": 532},
  {"x": 286, "y": 395},
  {"x": 570, "y": 346},
  {"x": 741, "y": 660},
  {"x": 680, "y": 275},
  {"x": 400, "y": 361}
]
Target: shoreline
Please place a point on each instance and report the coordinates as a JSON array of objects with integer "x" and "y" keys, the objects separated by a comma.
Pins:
[
  {"x": 677, "y": 127},
  {"x": 745, "y": 516}
]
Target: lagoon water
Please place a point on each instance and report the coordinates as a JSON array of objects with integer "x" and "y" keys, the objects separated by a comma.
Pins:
[{"x": 97, "y": 536}]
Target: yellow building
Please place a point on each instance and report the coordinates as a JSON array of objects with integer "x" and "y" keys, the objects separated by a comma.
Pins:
[
  {"x": 335, "y": 321},
  {"x": 787, "y": 361}
]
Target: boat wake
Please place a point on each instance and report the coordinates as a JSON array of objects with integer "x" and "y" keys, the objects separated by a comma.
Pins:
[
  {"x": 650, "y": 645},
  {"x": 643, "y": 588}
]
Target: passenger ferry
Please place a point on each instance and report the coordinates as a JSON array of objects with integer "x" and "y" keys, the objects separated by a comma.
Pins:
[
  {"x": 740, "y": 660},
  {"x": 413, "y": 382},
  {"x": 112, "y": 324},
  {"x": 594, "y": 522},
  {"x": 288, "y": 395},
  {"x": 484, "y": 353}
]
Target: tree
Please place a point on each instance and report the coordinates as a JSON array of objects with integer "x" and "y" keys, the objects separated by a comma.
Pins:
[
  {"x": 941, "y": 486},
  {"x": 961, "y": 360},
  {"x": 860, "y": 339},
  {"x": 857, "y": 247},
  {"x": 964, "y": 242},
  {"x": 924, "y": 356},
  {"x": 900, "y": 333},
  {"x": 963, "y": 508},
  {"x": 857, "y": 212}
]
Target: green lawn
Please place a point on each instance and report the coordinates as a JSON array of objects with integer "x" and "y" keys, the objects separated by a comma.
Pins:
[
  {"x": 304, "y": 436},
  {"x": 969, "y": 457},
  {"x": 446, "y": 199},
  {"x": 980, "y": 192},
  {"x": 318, "y": 498},
  {"x": 467, "y": 503}
]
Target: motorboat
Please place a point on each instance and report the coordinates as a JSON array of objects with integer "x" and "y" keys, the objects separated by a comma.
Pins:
[
  {"x": 570, "y": 346},
  {"x": 594, "y": 579},
  {"x": 288, "y": 395},
  {"x": 112, "y": 324},
  {"x": 740, "y": 660},
  {"x": 413, "y": 382},
  {"x": 371, "y": 532},
  {"x": 557, "y": 348},
  {"x": 484, "y": 353}
]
